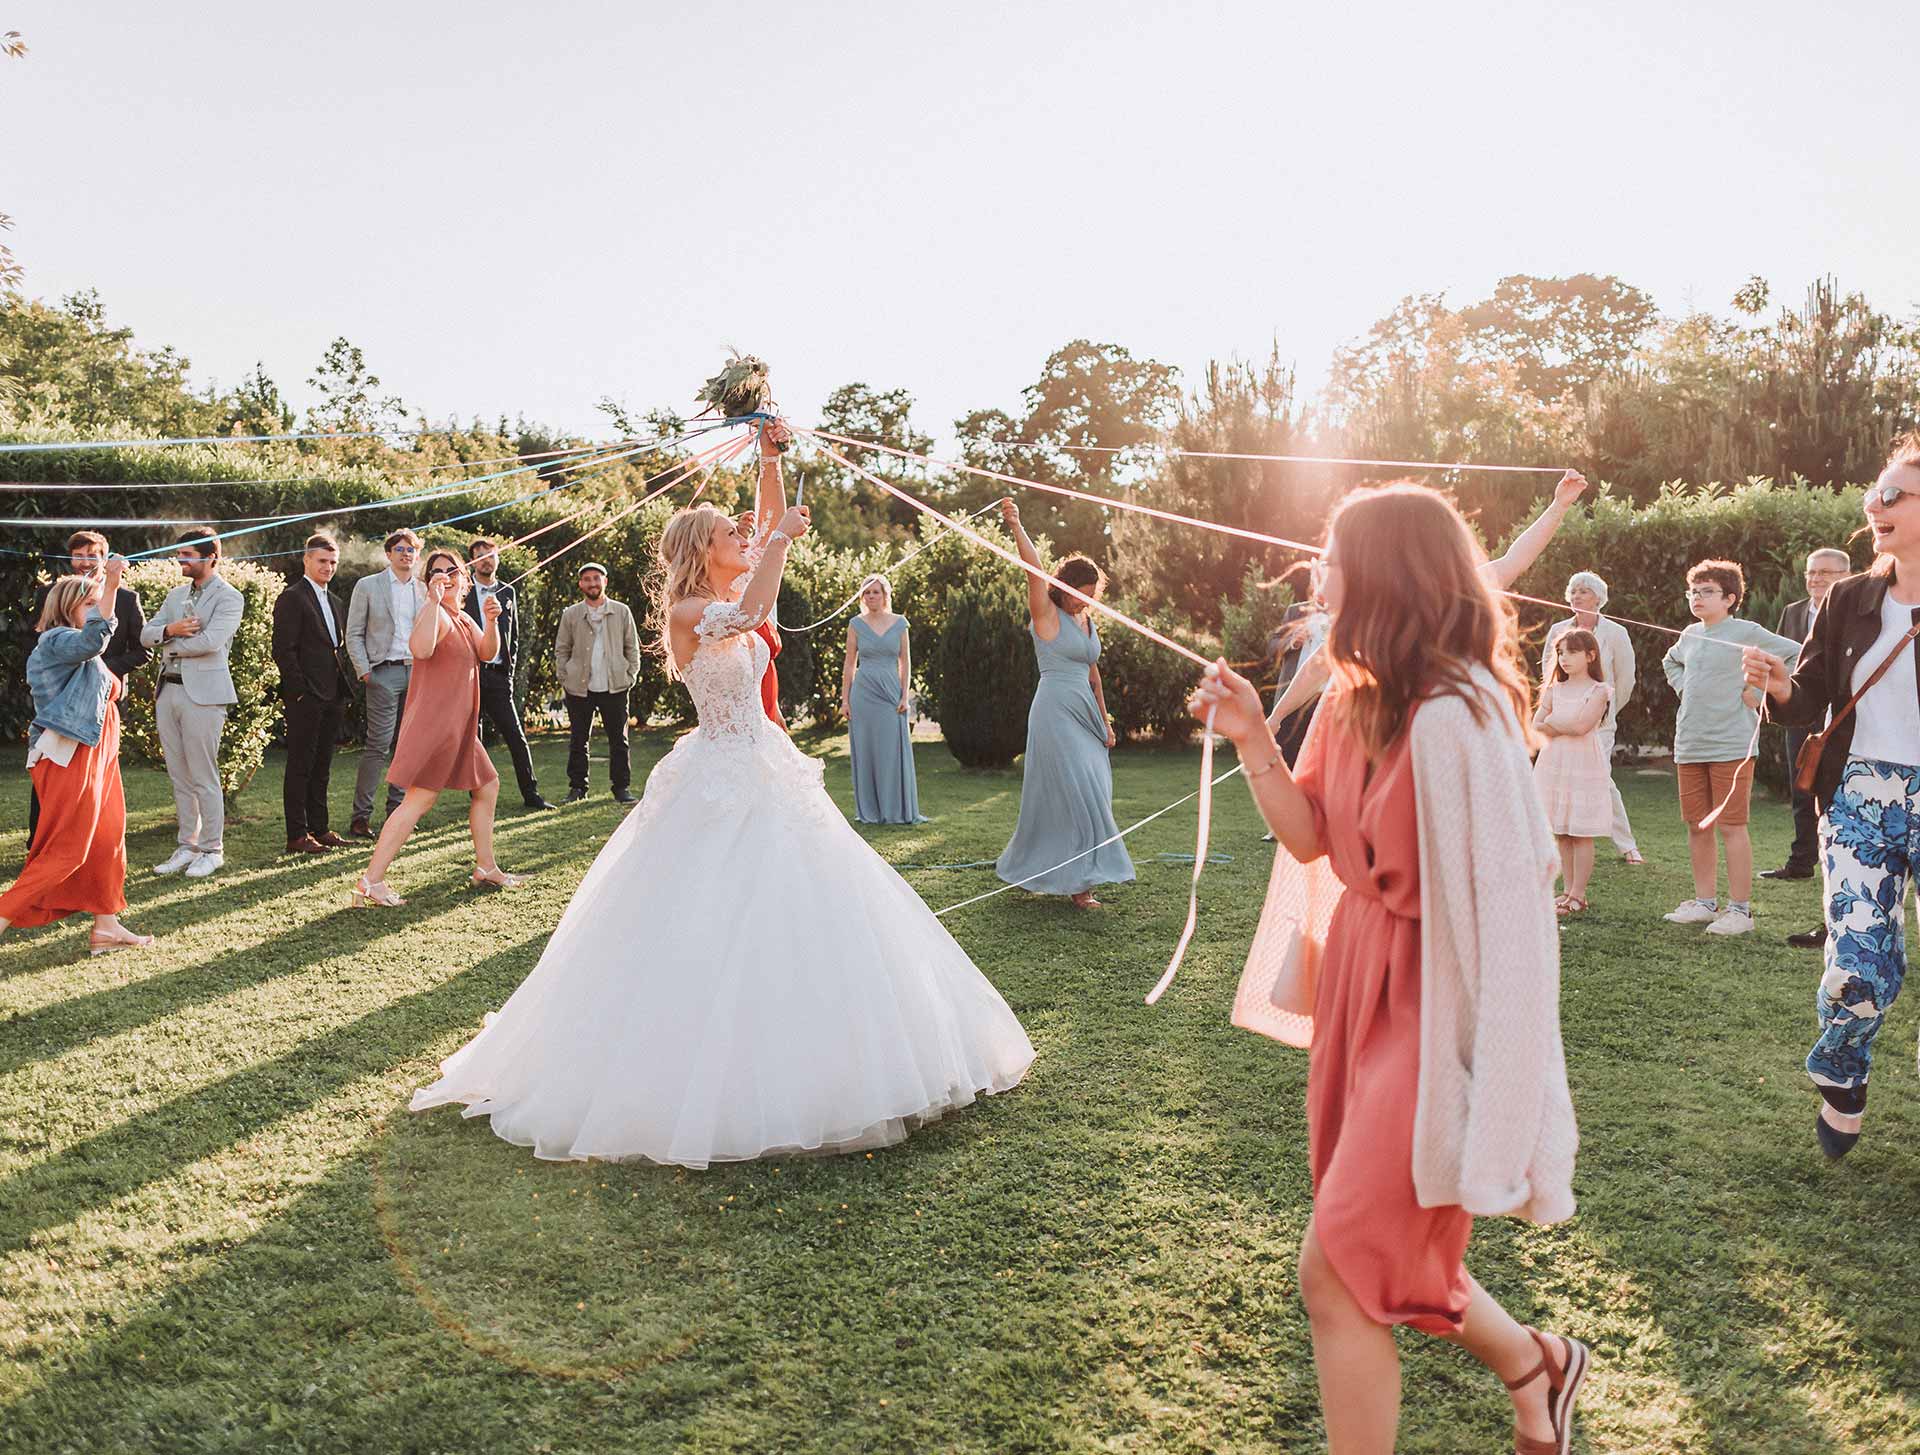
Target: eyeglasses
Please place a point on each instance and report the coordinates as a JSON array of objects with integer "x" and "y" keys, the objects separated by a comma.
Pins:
[
  {"x": 440, "y": 571},
  {"x": 406, "y": 550},
  {"x": 1703, "y": 591},
  {"x": 1886, "y": 494}
]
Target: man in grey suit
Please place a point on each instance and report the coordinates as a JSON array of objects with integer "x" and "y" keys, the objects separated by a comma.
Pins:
[
  {"x": 380, "y": 617},
  {"x": 194, "y": 631}
]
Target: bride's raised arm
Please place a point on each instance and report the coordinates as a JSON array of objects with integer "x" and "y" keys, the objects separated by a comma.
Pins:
[{"x": 770, "y": 498}]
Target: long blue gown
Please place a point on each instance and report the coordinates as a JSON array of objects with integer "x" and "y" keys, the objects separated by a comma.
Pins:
[
  {"x": 881, "y": 736},
  {"x": 1066, "y": 796}
]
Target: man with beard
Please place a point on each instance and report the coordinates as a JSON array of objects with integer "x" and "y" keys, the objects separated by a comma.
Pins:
[{"x": 597, "y": 655}]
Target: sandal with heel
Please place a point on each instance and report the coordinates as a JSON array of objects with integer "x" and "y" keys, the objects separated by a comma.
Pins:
[
  {"x": 1563, "y": 1388},
  {"x": 368, "y": 892}
]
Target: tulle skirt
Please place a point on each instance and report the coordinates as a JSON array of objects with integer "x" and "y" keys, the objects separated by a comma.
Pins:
[{"x": 738, "y": 975}]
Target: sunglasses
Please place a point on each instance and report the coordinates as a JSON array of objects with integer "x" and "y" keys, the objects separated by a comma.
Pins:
[{"x": 1886, "y": 494}]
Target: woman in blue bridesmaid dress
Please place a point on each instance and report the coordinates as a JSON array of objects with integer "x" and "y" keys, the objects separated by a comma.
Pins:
[{"x": 874, "y": 695}]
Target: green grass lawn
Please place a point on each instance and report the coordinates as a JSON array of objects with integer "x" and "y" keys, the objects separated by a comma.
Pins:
[{"x": 220, "y": 1230}]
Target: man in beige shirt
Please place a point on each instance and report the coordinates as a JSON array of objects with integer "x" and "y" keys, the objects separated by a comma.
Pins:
[{"x": 597, "y": 656}]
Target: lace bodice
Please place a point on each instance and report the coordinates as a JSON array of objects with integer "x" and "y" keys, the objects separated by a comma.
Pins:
[{"x": 724, "y": 675}]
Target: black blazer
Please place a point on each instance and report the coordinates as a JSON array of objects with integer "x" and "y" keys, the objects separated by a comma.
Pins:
[
  {"x": 1847, "y": 627},
  {"x": 1793, "y": 620},
  {"x": 509, "y": 624},
  {"x": 124, "y": 653},
  {"x": 310, "y": 664}
]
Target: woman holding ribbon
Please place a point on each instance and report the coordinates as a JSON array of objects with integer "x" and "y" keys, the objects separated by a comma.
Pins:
[
  {"x": 1436, "y": 1083},
  {"x": 77, "y": 863},
  {"x": 1066, "y": 840},
  {"x": 1857, "y": 673},
  {"x": 876, "y": 699}
]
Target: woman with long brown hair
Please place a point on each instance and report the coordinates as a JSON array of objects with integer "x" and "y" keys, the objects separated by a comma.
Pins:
[
  {"x": 1436, "y": 1087},
  {"x": 438, "y": 746}
]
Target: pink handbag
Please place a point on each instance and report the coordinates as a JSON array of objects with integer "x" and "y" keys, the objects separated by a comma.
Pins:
[{"x": 1275, "y": 998}]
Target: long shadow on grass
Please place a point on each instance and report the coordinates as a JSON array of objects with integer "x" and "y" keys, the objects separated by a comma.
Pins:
[
  {"x": 303, "y": 1337},
  {"x": 149, "y": 1146},
  {"x": 57, "y": 1029}
]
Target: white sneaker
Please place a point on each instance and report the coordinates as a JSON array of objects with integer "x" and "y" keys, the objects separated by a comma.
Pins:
[
  {"x": 179, "y": 860},
  {"x": 205, "y": 864},
  {"x": 1733, "y": 922},
  {"x": 1693, "y": 912}
]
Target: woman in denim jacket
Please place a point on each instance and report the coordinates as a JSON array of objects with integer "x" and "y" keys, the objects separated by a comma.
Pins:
[{"x": 78, "y": 861}]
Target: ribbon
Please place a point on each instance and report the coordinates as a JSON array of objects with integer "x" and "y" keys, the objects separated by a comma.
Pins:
[
  {"x": 1199, "y": 862},
  {"x": 854, "y": 599}
]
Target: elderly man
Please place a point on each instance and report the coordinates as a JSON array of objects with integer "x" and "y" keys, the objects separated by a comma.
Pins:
[{"x": 1587, "y": 594}]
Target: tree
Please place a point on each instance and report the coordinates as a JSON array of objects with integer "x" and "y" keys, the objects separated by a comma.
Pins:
[
  {"x": 1088, "y": 418},
  {"x": 350, "y": 402},
  {"x": 1240, "y": 409},
  {"x": 1561, "y": 334},
  {"x": 67, "y": 364},
  {"x": 255, "y": 406}
]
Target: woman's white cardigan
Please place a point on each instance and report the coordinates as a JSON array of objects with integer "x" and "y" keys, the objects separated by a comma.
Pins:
[{"x": 1493, "y": 1125}]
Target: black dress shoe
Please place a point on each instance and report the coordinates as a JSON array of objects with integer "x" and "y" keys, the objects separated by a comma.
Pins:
[
  {"x": 1809, "y": 939},
  {"x": 624, "y": 797},
  {"x": 576, "y": 795},
  {"x": 536, "y": 802},
  {"x": 1788, "y": 871}
]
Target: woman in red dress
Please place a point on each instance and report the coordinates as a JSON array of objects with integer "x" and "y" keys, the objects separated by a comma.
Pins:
[
  {"x": 1436, "y": 1083},
  {"x": 77, "y": 863},
  {"x": 438, "y": 745}
]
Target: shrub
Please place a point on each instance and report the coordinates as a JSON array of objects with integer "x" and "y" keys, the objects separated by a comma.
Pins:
[
  {"x": 254, "y": 720},
  {"x": 1146, "y": 686},
  {"x": 983, "y": 660},
  {"x": 1246, "y": 624}
]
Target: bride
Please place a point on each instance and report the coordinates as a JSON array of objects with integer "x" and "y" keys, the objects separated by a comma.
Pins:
[{"x": 738, "y": 973}]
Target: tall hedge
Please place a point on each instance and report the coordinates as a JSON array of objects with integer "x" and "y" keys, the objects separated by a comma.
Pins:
[
  {"x": 253, "y": 721},
  {"x": 985, "y": 664}
]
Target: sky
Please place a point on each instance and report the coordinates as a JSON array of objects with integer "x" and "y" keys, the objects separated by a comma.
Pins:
[{"x": 519, "y": 209}]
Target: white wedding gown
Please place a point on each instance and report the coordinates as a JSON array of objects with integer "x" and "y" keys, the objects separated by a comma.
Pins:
[{"x": 738, "y": 974}]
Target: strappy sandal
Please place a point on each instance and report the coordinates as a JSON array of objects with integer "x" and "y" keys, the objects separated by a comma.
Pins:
[
  {"x": 498, "y": 879},
  {"x": 1563, "y": 1388},
  {"x": 368, "y": 893},
  {"x": 107, "y": 944},
  {"x": 1569, "y": 904}
]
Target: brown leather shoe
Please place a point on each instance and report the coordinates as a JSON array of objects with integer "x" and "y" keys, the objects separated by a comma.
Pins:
[
  {"x": 361, "y": 829},
  {"x": 305, "y": 844},
  {"x": 332, "y": 840}
]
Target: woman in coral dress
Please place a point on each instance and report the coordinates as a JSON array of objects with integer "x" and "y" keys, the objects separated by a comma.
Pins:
[
  {"x": 1436, "y": 1089},
  {"x": 438, "y": 746},
  {"x": 77, "y": 863}
]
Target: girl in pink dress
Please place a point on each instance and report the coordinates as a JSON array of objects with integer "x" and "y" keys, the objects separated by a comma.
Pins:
[{"x": 1572, "y": 773}]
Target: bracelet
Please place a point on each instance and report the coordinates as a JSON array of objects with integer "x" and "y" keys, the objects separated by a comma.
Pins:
[
  {"x": 778, "y": 535},
  {"x": 1267, "y": 767}
]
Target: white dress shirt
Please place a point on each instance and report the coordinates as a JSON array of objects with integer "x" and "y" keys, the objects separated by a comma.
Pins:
[
  {"x": 326, "y": 610},
  {"x": 406, "y": 606}
]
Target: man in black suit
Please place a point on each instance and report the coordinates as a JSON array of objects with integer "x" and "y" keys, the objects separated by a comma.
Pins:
[
  {"x": 87, "y": 554},
  {"x": 308, "y": 622},
  {"x": 1824, "y": 567},
  {"x": 496, "y": 677}
]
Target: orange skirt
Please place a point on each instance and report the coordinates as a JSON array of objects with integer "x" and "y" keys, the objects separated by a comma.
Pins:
[{"x": 78, "y": 862}]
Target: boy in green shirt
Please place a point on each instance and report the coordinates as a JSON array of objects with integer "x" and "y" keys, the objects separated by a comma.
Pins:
[{"x": 1712, "y": 741}]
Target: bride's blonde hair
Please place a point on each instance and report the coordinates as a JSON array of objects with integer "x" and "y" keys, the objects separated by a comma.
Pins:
[{"x": 685, "y": 547}]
